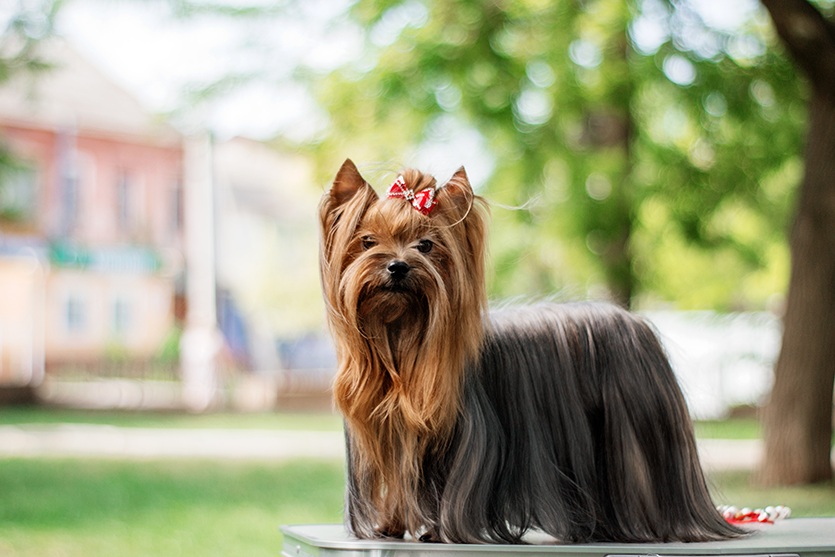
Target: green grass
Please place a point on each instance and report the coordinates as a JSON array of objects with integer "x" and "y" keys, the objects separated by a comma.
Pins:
[
  {"x": 738, "y": 489},
  {"x": 95, "y": 508},
  {"x": 737, "y": 428},
  {"x": 98, "y": 508},
  {"x": 19, "y": 415}
]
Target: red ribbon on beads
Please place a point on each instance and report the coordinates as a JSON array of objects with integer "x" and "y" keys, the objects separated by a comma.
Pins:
[
  {"x": 746, "y": 516},
  {"x": 423, "y": 200}
]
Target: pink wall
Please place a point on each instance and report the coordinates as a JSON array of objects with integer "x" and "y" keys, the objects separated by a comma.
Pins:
[
  {"x": 152, "y": 172},
  {"x": 126, "y": 203}
]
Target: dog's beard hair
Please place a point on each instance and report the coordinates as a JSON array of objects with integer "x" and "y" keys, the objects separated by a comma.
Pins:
[{"x": 565, "y": 418}]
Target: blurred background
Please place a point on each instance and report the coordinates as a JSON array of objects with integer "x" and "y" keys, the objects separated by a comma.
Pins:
[{"x": 161, "y": 162}]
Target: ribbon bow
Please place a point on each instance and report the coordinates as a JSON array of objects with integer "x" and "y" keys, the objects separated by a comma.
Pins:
[{"x": 423, "y": 200}]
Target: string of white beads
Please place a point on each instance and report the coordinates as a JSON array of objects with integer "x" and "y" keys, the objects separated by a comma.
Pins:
[{"x": 745, "y": 514}]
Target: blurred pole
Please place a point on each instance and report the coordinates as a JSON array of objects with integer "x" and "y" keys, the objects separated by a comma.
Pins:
[{"x": 201, "y": 340}]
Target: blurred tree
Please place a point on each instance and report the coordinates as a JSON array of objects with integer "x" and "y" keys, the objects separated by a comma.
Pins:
[
  {"x": 798, "y": 417},
  {"x": 649, "y": 147},
  {"x": 22, "y": 27},
  {"x": 25, "y": 25}
]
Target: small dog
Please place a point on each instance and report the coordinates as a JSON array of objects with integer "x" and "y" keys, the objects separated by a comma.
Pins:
[{"x": 464, "y": 426}]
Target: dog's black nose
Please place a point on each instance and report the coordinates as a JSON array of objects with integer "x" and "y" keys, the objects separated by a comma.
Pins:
[{"x": 398, "y": 269}]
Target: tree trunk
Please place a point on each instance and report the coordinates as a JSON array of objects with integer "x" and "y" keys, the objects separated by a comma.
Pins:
[
  {"x": 619, "y": 259},
  {"x": 798, "y": 416}
]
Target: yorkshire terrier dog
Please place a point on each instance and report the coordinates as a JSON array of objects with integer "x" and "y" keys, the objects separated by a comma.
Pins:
[{"x": 469, "y": 426}]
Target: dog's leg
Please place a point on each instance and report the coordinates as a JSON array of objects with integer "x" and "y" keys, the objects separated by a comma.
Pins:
[{"x": 392, "y": 528}]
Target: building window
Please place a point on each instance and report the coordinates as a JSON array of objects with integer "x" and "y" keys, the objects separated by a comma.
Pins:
[
  {"x": 177, "y": 207},
  {"x": 69, "y": 183},
  {"x": 70, "y": 187},
  {"x": 75, "y": 314},
  {"x": 121, "y": 317},
  {"x": 123, "y": 204}
]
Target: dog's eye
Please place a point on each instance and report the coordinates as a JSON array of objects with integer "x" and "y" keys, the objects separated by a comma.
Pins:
[
  {"x": 368, "y": 242},
  {"x": 425, "y": 246}
]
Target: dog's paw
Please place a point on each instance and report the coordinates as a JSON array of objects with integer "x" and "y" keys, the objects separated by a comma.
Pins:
[
  {"x": 430, "y": 537},
  {"x": 390, "y": 531}
]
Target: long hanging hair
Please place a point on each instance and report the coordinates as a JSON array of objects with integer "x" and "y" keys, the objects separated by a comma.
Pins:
[{"x": 401, "y": 368}]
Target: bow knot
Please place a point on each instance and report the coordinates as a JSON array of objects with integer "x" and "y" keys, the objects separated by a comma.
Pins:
[{"x": 423, "y": 200}]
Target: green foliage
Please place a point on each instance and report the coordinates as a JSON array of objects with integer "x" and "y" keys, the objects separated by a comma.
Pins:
[
  {"x": 27, "y": 24},
  {"x": 169, "y": 352},
  {"x": 663, "y": 171},
  {"x": 15, "y": 190}
]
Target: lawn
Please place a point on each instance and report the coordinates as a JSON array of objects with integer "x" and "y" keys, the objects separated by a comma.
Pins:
[
  {"x": 311, "y": 421},
  {"x": 101, "y": 507},
  {"x": 95, "y": 508},
  {"x": 737, "y": 488},
  {"x": 739, "y": 428}
]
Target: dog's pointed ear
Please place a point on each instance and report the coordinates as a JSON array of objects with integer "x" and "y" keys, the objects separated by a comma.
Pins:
[
  {"x": 460, "y": 181},
  {"x": 347, "y": 183},
  {"x": 455, "y": 198},
  {"x": 342, "y": 208}
]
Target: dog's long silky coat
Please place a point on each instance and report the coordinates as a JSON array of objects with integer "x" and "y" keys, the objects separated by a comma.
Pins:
[{"x": 467, "y": 426}]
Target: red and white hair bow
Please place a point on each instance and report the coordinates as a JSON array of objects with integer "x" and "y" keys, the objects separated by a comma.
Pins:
[{"x": 423, "y": 200}]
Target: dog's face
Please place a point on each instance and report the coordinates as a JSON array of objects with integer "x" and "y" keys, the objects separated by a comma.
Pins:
[
  {"x": 384, "y": 262},
  {"x": 400, "y": 261}
]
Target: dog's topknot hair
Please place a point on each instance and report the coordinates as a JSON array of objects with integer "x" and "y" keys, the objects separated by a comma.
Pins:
[{"x": 417, "y": 180}]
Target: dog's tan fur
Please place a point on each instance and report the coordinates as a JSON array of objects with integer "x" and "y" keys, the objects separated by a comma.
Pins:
[{"x": 400, "y": 372}]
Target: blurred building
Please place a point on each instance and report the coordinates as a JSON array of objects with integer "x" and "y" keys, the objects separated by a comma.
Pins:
[
  {"x": 95, "y": 199},
  {"x": 90, "y": 222},
  {"x": 267, "y": 252}
]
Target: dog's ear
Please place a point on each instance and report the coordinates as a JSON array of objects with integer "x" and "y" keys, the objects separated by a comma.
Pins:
[
  {"x": 455, "y": 198},
  {"x": 347, "y": 183},
  {"x": 460, "y": 181},
  {"x": 342, "y": 208}
]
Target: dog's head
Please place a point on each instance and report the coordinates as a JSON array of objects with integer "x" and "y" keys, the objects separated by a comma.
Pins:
[{"x": 412, "y": 259}]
